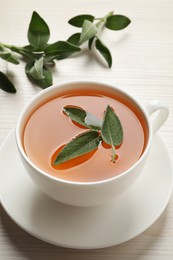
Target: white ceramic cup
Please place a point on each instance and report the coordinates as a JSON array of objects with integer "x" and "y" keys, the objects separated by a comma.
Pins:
[{"x": 88, "y": 193}]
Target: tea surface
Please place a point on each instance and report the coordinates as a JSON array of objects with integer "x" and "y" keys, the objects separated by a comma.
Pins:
[{"x": 48, "y": 129}]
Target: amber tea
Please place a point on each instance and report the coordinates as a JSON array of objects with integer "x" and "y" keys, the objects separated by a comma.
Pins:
[{"x": 48, "y": 129}]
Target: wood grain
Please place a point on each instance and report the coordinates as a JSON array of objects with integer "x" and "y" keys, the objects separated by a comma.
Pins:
[{"x": 142, "y": 64}]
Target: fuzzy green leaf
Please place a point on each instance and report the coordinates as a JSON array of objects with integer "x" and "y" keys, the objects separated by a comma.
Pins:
[
  {"x": 8, "y": 56},
  {"x": 90, "y": 42},
  {"x": 38, "y": 32},
  {"x": 78, "y": 20},
  {"x": 117, "y": 22},
  {"x": 82, "y": 144},
  {"x": 6, "y": 84},
  {"x": 112, "y": 131},
  {"x": 60, "y": 50},
  {"x": 37, "y": 69},
  {"x": 43, "y": 83},
  {"x": 74, "y": 39},
  {"x": 76, "y": 114},
  {"x": 104, "y": 51},
  {"x": 89, "y": 30},
  {"x": 82, "y": 117}
]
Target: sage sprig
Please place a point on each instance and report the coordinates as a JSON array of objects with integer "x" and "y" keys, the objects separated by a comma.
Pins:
[
  {"x": 109, "y": 130},
  {"x": 91, "y": 30},
  {"x": 40, "y": 55}
]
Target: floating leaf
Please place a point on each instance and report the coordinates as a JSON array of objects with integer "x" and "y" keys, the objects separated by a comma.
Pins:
[
  {"x": 6, "y": 84},
  {"x": 79, "y": 19},
  {"x": 38, "y": 32},
  {"x": 104, "y": 51},
  {"x": 89, "y": 30},
  {"x": 76, "y": 114},
  {"x": 82, "y": 117},
  {"x": 82, "y": 144},
  {"x": 117, "y": 22},
  {"x": 112, "y": 131}
]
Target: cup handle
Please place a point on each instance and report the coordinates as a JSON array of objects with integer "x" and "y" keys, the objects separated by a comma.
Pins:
[{"x": 161, "y": 117}]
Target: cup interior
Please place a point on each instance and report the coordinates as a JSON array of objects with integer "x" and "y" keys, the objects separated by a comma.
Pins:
[{"x": 69, "y": 88}]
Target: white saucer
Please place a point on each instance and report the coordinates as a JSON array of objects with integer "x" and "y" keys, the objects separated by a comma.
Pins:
[{"x": 85, "y": 228}]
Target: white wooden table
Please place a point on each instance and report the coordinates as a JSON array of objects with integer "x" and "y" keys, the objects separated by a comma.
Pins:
[{"x": 142, "y": 64}]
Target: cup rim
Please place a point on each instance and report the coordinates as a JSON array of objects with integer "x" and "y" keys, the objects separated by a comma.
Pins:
[{"x": 68, "y": 83}]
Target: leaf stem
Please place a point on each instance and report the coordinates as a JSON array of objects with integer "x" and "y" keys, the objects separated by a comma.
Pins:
[
  {"x": 113, "y": 154},
  {"x": 20, "y": 50},
  {"x": 100, "y": 24},
  {"x": 11, "y": 47}
]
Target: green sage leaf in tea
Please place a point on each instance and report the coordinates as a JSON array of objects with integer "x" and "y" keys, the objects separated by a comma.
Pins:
[
  {"x": 82, "y": 144},
  {"x": 6, "y": 84},
  {"x": 82, "y": 117},
  {"x": 104, "y": 51},
  {"x": 38, "y": 32},
  {"x": 76, "y": 114},
  {"x": 79, "y": 19},
  {"x": 117, "y": 22},
  {"x": 112, "y": 131}
]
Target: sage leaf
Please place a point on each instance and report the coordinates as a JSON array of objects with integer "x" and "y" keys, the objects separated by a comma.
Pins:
[
  {"x": 117, "y": 22},
  {"x": 25, "y": 51},
  {"x": 43, "y": 83},
  {"x": 8, "y": 56},
  {"x": 37, "y": 69},
  {"x": 90, "y": 42},
  {"x": 104, "y": 51},
  {"x": 60, "y": 50},
  {"x": 76, "y": 114},
  {"x": 6, "y": 84},
  {"x": 78, "y": 20},
  {"x": 82, "y": 144},
  {"x": 47, "y": 81},
  {"x": 112, "y": 131},
  {"x": 38, "y": 32},
  {"x": 89, "y": 30},
  {"x": 74, "y": 39},
  {"x": 83, "y": 118}
]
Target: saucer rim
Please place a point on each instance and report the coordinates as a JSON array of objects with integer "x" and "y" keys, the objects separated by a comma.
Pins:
[{"x": 47, "y": 240}]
